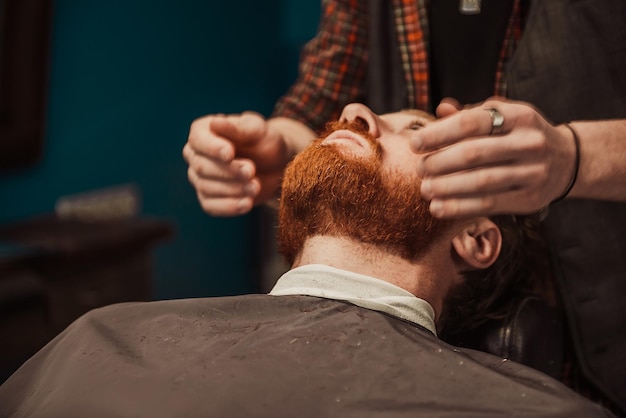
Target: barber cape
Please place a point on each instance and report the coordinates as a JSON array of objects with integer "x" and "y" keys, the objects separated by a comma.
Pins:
[{"x": 273, "y": 356}]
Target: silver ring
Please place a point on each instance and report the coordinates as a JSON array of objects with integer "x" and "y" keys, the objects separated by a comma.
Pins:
[{"x": 497, "y": 121}]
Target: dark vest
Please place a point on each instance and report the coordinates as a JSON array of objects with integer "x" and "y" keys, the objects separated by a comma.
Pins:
[{"x": 570, "y": 64}]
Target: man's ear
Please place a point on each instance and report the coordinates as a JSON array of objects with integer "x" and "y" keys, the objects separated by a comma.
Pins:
[{"x": 478, "y": 244}]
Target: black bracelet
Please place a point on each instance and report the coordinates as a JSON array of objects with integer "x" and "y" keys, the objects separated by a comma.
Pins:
[{"x": 576, "y": 165}]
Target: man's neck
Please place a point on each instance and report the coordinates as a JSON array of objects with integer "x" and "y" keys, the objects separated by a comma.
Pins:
[{"x": 424, "y": 278}]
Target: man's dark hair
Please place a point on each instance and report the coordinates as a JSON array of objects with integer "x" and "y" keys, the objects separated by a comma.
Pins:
[{"x": 491, "y": 295}]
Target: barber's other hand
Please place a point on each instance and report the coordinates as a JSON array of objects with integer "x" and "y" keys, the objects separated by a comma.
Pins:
[
  {"x": 235, "y": 161},
  {"x": 468, "y": 172}
]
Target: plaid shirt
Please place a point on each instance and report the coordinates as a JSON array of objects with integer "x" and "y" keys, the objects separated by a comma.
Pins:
[{"x": 333, "y": 65}]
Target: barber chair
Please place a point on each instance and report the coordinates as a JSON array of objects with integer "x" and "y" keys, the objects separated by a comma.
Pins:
[{"x": 532, "y": 334}]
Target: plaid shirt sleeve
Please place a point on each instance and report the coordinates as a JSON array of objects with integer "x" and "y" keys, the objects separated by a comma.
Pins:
[{"x": 333, "y": 66}]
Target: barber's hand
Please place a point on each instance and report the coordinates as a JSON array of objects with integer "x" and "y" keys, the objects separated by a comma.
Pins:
[
  {"x": 469, "y": 172},
  {"x": 235, "y": 161}
]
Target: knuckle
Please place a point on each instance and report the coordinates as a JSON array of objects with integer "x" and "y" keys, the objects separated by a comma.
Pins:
[
  {"x": 483, "y": 180},
  {"x": 194, "y": 140},
  {"x": 252, "y": 116},
  {"x": 202, "y": 168},
  {"x": 426, "y": 139},
  {"x": 542, "y": 174},
  {"x": 194, "y": 163},
  {"x": 207, "y": 206},
  {"x": 214, "y": 207},
  {"x": 472, "y": 156},
  {"x": 187, "y": 152},
  {"x": 253, "y": 125},
  {"x": 207, "y": 189},
  {"x": 535, "y": 144},
  {"x": 492, "y": 101},
  {"x": 425, "y": 165},
  {"x": 191, "y": 176},
  {"x": 452, "y": 208},
  {"x": 190, "y": 172},
  {"x": 199, "y": 124},
  {"x": 438, "y": 187},
  {"x": 196, "y": 122},
  {"x": 527, "y": 116},
  {"x": 488, "y": 204},
  {"x": 469, "y": 123}
]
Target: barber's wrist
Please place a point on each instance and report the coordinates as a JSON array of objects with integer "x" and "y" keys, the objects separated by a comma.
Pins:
[
  {"x": 575, "y": 165},
  {"x": 294, "y": 134},
  {"x": 571, "y": 132}
]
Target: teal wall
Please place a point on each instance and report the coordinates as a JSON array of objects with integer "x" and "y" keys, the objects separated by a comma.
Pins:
[{"x": 127, "y": 77}]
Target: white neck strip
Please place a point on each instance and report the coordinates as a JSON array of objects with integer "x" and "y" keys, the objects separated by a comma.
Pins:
[{"x": 367, "y": 292}]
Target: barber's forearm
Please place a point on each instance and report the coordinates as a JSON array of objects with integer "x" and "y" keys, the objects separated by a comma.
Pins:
[{"x": 602, "y": 172}]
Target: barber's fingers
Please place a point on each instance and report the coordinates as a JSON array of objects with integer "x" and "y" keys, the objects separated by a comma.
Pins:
[
  {"x": 245, "y": 129},
  {"x": 223, "y": 189},
  {"x": 220, "y": 136},
  {"x": 525, "y": 147},
  {"x": 223, "y": 193},
  {"x": 211, "y": 168},
  {"x": 485, "y": 205},
  {"x": 226, "y": 206},
  {"x": 203, "y": 141},
  {"x": 492, "y": 181},
  {"x": 205, "y": 153},
  {"x": 210, "y": 189},
  {"x": 457, "y": 127},
  {"x": 232, "y": 198},
  {"x": 458, "y": 124},
  {"x": 206, "y": 174}
]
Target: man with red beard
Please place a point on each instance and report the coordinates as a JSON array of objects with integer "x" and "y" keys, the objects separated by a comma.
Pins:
[{"x": 350, "y": 330}]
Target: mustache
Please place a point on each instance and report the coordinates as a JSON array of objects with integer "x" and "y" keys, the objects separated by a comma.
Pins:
[{"x": 357, "y": 126}]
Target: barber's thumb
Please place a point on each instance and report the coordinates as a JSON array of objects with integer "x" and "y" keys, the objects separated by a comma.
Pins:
[
  {"x": 223, "y": 127},
  {"x": 238, "y": 129},
  {"x": 252, "y": 128}
]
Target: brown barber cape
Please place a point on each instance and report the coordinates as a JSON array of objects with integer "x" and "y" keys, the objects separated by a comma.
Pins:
[{"x": 270, "y": 356}]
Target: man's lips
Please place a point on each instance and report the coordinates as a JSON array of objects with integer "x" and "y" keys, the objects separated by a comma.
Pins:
[{"x": 346, "y": 136}]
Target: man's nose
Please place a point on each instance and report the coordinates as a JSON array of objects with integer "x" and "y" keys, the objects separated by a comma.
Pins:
[{"x": 358, "y": 111}]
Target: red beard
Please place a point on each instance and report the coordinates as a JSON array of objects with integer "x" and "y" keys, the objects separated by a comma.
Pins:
[{"x": 326, "y": 192}]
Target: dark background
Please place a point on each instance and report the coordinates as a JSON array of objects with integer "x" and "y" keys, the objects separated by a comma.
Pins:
[{"x": 125, "y": 78}]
